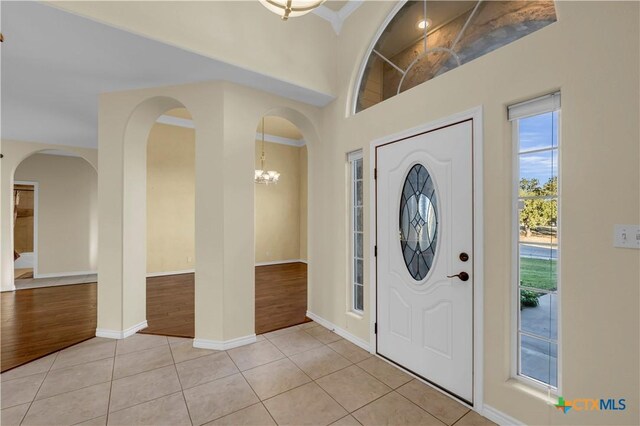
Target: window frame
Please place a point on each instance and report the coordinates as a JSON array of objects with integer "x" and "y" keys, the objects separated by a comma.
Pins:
[
  {"x": 352, "y": 158},
  {"x": 548, "y": 103}
]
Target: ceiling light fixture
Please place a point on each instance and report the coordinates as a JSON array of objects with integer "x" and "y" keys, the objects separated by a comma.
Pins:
[
  {"x": 291, "y": 8},
  {"x": 262, "y": 176},
  {"x": 423, "y": 23}
]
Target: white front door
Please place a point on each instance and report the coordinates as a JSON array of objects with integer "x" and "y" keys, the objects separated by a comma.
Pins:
[{"x": 424, "y": 225}]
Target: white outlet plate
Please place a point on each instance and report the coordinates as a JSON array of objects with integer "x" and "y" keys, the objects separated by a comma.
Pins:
[{"x": 626, "y": 236}]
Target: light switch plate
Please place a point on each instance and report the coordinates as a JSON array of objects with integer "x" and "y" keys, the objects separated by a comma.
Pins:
[{"x": 626, "y": 236}]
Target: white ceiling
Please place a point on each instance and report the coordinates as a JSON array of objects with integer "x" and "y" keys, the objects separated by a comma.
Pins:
[{"x": 54, "y": 65}]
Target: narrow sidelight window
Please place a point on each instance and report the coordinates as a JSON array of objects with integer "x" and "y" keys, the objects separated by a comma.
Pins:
[
  {"x": 536, "y": 125},
  {"x": 356, "y": 232}
]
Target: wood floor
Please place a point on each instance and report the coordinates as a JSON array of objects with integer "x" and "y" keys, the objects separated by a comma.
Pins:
[
  {"x": 281, "y": 296},
  {"x": 281, "y": 300},
  {"x": 170, "y": 305},
  {"x": 37, "y": 322}
]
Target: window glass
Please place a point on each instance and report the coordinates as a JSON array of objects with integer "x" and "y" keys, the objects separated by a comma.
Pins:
[
  {"x": 538, "y": 247},
  {"x": 426, "y": 38}
]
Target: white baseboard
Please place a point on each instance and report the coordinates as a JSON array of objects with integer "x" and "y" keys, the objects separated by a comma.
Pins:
[
  {"x": 26, "y": 260},
  {"x": 164, "y": 274},
  {"x": 281, "y": 262},
  {"x": 115, "y": 334},
  {"x": 64, "y": 274},
  {"x": 499, "y": 417},
  {"x": 340, "y": 331},
  {"x": 223, "y": 345}
]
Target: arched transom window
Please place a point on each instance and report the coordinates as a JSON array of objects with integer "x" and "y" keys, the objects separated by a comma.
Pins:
[{"x": 427, "y": 38}]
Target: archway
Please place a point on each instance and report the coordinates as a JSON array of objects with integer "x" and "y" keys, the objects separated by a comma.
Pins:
[
  {"x": 54, "y": 241},
  {"x": 280, "y": 225},
  {"x": 171, "y": 225}
]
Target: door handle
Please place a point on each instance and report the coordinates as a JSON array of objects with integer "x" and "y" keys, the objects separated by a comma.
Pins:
[{"x": 462, "y": 275}]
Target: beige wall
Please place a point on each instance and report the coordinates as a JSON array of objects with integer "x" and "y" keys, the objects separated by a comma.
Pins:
[
  {"x": 591, "y": 54},
  {"x": 278, "y": 211},
  {"x": 14, "y": 152},
  {"x": 170, "y": 199},
  {"x": 304, "y": 193}
]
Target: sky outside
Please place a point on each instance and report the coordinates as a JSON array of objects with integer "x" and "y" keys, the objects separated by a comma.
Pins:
[{"x": 539, "y": 132}]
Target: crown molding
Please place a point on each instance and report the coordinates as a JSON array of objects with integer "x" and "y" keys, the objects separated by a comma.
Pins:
[
  {"x": 185, "y": 122},
  {"x": 337, "y": 19}
]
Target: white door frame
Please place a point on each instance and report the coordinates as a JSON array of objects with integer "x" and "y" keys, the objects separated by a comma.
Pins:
[
  {"x": 474, "y": 114},
  {"x": 35, "y": 224}
]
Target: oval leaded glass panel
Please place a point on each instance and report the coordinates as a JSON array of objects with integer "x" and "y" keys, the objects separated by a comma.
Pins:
[{"x": 418, "y": 222}]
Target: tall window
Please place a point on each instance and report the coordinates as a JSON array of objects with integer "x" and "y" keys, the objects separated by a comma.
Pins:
[
  {"x": 536, "y": 201},
  {"x": 356, "y": 232}
]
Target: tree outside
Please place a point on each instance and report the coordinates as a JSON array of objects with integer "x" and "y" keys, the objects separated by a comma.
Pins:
[{"x": 539, "y": 213}]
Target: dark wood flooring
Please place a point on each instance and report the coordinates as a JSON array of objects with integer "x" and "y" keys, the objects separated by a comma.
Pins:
[
  {"x": 40, "y": 321},
  {"x": 281, "y": 296},
  {"x": 37, "y": 322},
  {"x": 170, "y": 305}
]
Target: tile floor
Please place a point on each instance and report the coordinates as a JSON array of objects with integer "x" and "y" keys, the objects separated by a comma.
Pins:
[{"x": 303, "y": 375}]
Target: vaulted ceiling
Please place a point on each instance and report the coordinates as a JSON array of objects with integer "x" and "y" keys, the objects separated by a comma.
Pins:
[{"x": 58, "y": 56}]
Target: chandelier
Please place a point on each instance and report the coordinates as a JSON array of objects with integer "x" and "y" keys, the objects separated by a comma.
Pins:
[
  {"x": 291, "y": 8},
  {"x": 263, "y": 176}
]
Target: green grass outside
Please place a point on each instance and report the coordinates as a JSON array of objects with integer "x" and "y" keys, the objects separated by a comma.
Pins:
[{"x": 538, "y": 273}]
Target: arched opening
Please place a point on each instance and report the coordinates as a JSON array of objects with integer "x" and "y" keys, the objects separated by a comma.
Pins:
[
  {"x": 170, "y": 225},
  {"x": 55, "y": 251},
  {"x": 55, "y": 220},
  {"x": 281, "y": 222}
]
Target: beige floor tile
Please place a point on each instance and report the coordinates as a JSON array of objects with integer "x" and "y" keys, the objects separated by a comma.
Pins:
[
  {"x": 320, "y": 362},
  {"x": 41, "y": 365},
  {"x": 185, "y": 351},
  {"x": 296, "y": 342},
  {"x": 254, "y": 355},
  {"x": 77, "y": 377},
  {"x": 168, "y": 410},
  {"x": 324, "y": 335},
  {"x": 145, "y": 360},
  {"x": 205, "y": 369},
  {"x": 20, "y": 391},
  {"x": 474, "y": 419},
  {"x": 93, "y": 341},
  {"x": 385, "y": 372},
  {"x": 139, "y": 342},
  {"x": 143, "y": 387},
  {"x": 70, "y": 408},
  {"x": 271, "y": 379},
  {"x": 350, "y": 351},
  {"x": 308, "y": 325},
  {"x": 436, "y": 403},
  {"x": 305, "y": 405},
  {"x": 255, "y": 415},
  {"x": 353, "y": 387},
  {"x": 98, "y": 421},
  {"x": 85, "y": 352},
  {"x": 13, "y": 416},
  {"x": 394, "y": 409},
  {"x": 346, "y": 421},
  {"x": 218, "y": 398},
  {"x": 179, "y": 340},
  {"x": 260, "y": 338},
  {"x": 281, "y": 332}
]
